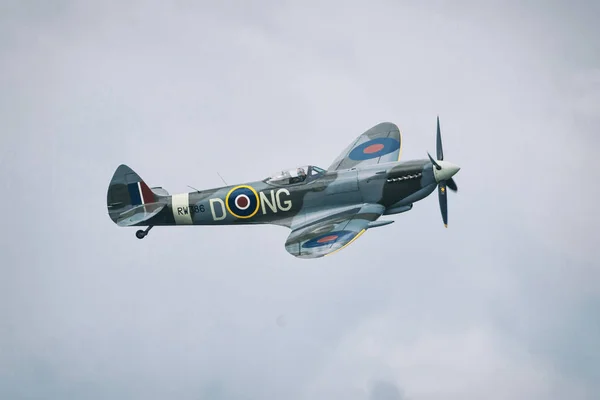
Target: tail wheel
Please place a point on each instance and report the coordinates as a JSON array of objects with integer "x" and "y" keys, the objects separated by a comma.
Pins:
[{"x": 142, "y": 234}]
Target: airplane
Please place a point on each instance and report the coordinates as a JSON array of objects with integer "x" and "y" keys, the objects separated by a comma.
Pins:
[{"x": 326, "y": 210}]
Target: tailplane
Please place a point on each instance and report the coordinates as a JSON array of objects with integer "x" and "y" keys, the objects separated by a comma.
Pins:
[{"x": 130, "y": 201}]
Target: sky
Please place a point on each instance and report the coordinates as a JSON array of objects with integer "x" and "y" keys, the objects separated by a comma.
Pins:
[{"x": 502, "y": 304}]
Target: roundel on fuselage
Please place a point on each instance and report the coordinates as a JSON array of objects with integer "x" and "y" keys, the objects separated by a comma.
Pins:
[
  {"x": 374, "y": 148},
  {"x": 242, "y": 201}
]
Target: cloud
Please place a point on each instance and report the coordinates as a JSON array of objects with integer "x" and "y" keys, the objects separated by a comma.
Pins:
[
  {"x": 434, "y": 362},
  {"x": 383, "y": 390},
  {"x": 501, "y": 304},
  {"x": 584, "y": 93}
]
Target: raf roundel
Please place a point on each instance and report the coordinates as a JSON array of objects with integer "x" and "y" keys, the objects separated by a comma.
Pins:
[
  {"x": 374, "y": 148},
  {"x": 328, "y": 239},
  {"x": 242, "y": 201}
]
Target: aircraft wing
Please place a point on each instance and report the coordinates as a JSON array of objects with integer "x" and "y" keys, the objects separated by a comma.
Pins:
[
  {"x": 382, "y": 143},
  {"x": 330, "y": 233}
]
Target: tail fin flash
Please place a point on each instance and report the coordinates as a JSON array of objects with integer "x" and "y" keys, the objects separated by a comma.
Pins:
[{"x": 129, "y": 200}]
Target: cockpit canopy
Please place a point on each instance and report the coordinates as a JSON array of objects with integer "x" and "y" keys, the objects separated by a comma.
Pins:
[{"x": 298, "y": 175}]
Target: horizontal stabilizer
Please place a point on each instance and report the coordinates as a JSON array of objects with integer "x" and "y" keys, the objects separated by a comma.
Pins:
[
  {"x": 139, "y": 214},
  {"x": 159, "y": 191}
]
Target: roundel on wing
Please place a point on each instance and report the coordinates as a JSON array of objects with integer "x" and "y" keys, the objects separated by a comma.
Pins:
[
  {"x": 329, "y": 238},
  {"x": 242, "y": 201},
  {"x": 374, "y": 148}
]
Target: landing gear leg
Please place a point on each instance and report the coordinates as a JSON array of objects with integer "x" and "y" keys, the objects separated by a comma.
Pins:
[{"x": 142, "y": 234}]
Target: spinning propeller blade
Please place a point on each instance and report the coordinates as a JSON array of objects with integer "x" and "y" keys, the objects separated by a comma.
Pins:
[
  {"x": 443, "y": 202},
  {"x": 444, "y": 184},
  {"x": 452, "y": 185},
  {"x": 437, "y": 166},
  {"x": 440, "y": 151}
]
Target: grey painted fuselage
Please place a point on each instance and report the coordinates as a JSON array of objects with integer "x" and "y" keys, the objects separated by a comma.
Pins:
[{"x": 394, "y": 185}]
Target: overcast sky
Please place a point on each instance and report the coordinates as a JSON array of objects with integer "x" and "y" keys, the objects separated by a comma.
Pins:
[{"x": 504, "y": 304}]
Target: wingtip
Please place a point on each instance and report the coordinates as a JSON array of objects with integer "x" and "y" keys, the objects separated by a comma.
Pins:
[{"x": 446, "y": 225}]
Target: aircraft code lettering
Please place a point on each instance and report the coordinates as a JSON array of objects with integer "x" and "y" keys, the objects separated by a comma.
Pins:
[
  {"x": 193, "y": 209},
  {"x": 272, "y": 202}
]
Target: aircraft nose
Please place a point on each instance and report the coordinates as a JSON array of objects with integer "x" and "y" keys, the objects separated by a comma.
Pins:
[
  {"x": 448, "y": 170},
  {"x": 452, "y": 169}
]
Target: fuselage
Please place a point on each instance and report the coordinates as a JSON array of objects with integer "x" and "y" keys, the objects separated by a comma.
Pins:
[{"x": 395, "y": 185}]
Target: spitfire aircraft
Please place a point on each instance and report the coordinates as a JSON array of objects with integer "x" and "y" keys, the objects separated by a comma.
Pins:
[{"x": 326, "y": 210}]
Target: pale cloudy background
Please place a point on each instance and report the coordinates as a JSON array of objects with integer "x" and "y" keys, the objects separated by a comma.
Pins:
[{"x": 502, "y": 305}]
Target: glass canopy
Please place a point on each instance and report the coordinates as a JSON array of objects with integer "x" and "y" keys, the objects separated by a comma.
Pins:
[{"x": 291, "y": 176}]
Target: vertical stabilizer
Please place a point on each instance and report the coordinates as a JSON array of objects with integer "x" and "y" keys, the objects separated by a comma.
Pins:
[{"x": 129, "y": 199}]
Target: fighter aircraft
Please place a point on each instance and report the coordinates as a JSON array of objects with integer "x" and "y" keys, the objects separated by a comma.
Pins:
[{"x": 326, "y": 210}]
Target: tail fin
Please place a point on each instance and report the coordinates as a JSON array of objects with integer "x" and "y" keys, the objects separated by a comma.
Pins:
[{"x": 130, "y": 201}]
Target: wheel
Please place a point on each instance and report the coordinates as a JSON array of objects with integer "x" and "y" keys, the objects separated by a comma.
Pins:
[{"x": 140, "y": 234}]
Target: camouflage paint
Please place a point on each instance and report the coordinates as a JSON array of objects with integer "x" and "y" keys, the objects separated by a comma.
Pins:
[{"x": 326, "y": 212}]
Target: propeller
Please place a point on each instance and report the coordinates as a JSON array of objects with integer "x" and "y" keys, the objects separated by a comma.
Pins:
[{"x": 442, "y": 184}]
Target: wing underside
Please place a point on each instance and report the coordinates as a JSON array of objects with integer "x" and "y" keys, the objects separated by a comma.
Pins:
[
  {"x": 332, "y": 233},
  {"x": 380, "y": 144}
]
